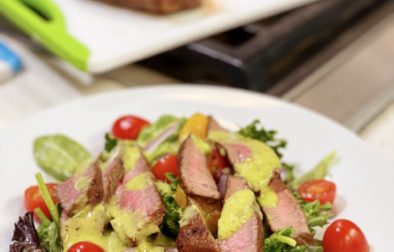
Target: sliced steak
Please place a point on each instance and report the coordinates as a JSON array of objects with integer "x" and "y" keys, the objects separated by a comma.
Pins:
[
  {"x": 155, "y": 247},
  {"x": 214, "y": 125},
  {"x": 210, "y": 210},
  {"x": 195, "y": 177},
  {"x": 113, "y": 172},
  {"x": 249, "y": 237},
  {"x": 85, "y": 187},
  {"x": 287, "y": 212},
  {"x": 237, "y": 152},
  {"x": 234, "y": 184},
  {"x": 194, "y": 235},
  {"x": 157, "y": 6},
  {"x": 137, "y": 197}
]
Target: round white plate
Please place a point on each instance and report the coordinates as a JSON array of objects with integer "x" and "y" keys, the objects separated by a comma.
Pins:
[{"x": 365, "y": 184}]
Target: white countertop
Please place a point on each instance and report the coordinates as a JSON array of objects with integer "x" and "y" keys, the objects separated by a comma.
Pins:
[{"x": 43, "y": 85}]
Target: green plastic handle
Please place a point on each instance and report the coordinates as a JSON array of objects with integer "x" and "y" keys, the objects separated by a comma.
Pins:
[{"x": 50, "y": 30}]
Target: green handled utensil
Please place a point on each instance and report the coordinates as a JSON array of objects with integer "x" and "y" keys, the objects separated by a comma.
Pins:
[{"x": 43, "y": 20}]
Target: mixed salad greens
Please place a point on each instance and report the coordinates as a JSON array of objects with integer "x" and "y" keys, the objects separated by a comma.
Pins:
[{"x": 162, "y": 143}]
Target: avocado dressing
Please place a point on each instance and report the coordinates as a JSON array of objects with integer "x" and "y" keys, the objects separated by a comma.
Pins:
[
  {"x": 237, "y": 210},
  {"x": 257, "y": 169}
]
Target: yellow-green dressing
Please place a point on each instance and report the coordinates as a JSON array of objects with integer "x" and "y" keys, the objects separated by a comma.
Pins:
[
  {"x": 257, "y": 170},
  {"x": 267, "y": 197},
  {"x": 201, "y": 145},
  {"x": 140, "y": 181},
  {"x": 130, "y": 155},
  {"x": 237, "y": 210},
  {"x": 88, "y": 225},
  {"x": 130, "y": 224}
]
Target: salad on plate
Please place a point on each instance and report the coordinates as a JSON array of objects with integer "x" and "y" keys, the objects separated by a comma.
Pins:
[{"x": 180, "y": 184}]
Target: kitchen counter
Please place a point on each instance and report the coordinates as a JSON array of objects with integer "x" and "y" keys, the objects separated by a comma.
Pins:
[{"x": 356, "y": 88}]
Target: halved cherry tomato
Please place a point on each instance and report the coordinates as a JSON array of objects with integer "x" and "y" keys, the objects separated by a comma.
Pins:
[
  {"x": 128, "y": 127},
  {"x": 344, "y": 236},
  {"x": 318, "y": 189},
  {"x": 217, "y": 162},
  {"x": 33, "y": 198},
  {"x": 85, "y": 247},
  {"x": 166, "y": 164}
]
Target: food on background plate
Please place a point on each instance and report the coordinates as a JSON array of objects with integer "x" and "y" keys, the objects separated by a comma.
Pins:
[
  {"x": 157, "y": 6},
  {"x": 180, "y": 184}
]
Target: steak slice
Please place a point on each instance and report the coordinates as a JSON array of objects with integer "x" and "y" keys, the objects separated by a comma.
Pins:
[
  {"x": 194, "y": 235},
  {"x": 157, "y": 6},
  {"x": 249, "y": 237},
  {"x": 287, "y": 212},
  {"x": 234, "y": 184},
  {"x": 136, "y": 208},
  {"x": 214, "y": 125},
  {"x": 84, "y": 188},
  {"x": 237, "y": 152},
  {"x": 195, "y": 177},
  {"x": 113, "y": 172}
]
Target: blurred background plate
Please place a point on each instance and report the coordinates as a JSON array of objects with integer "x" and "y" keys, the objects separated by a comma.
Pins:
[
  {"x": 364, "y": 182},
  {"x": 97, "y": 37}
]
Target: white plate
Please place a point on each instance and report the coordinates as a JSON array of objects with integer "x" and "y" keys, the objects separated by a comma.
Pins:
[
  {"x": 117, "y": 36},
  {"x": 365, "y": 184}
]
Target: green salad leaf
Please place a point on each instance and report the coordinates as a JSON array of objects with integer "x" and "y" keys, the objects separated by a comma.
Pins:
[
  {"x": 110, "y": 142},
  {"x": 320, "y": 170},
  {"x": 256, "y": 131},
  {"x": 170, "y": 225},
  {"x": 281, "y": 241},
  {"x": 316, "y": 214},
  {"x": 48, "y": 231},
  {"x": 59, "y": 155}
]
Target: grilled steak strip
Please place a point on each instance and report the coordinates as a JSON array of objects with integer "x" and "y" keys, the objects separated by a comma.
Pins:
[
  {"x": 194, "y": 235},
  {"x": 157, "y": 6},
  {"x": 287, "y": 212},
  {"x": 195, "y": 177},
  {"x": 85, "y": 187},
  {"x": 249, "y": 238}
]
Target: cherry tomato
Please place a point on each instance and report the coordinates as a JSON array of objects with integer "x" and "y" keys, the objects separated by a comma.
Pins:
[
  {"x": 166, "y": 164},
  {"x": 318, "y": 189},
  {"x": 344, "y": 236},
  {"x": 85, "y": 247},
  {"x": 128, "y": 127},
  {"x": 33, "y": 198},
  {"x": 217, "y": 162}
]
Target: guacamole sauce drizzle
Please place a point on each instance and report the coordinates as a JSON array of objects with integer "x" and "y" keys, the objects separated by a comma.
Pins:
[
  {"x": 259, "y": 167},
  {"x": 88, "y": 225},
  {"x": 237, "y": 210}
]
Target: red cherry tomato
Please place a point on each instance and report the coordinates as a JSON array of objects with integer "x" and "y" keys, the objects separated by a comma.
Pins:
[
  {"x": 344, "y": 236},
  {"x": 318, "y": 189},
  {"x": 128, "y": 127},
  {"x": 85, "y": 247},
  {"x": 166, "y": 164},
  {"x": 217, "y": 162},
  {"x": 33, "y": 198}
]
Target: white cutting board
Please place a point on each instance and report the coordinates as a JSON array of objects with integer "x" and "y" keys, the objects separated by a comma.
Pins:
[{"x": 117, "y": 36}]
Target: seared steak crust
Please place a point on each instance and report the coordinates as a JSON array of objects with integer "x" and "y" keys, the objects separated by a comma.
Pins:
[
  {"x": 195, "y": 237},
  {"x": 157, "y": 6},
  {"x": 195, "y": 177}
]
